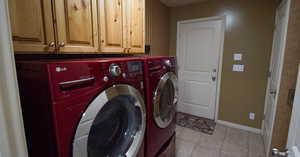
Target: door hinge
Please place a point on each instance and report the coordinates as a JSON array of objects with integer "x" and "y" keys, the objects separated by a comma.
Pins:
[
  {"x": 269, "y": 74},
  {"x": 276, "y": 152}
]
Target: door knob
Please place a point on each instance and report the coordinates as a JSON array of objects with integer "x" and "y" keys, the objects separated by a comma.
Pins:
[
  {"x": 51, "y": 44},
  {"x": 214, "y": 78},
  {"x": 277, "y": 153},
  {"x": 214, "y": 75}
]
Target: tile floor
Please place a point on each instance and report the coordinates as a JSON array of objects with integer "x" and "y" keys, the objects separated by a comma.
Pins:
[{"x": 225, "y": 142}]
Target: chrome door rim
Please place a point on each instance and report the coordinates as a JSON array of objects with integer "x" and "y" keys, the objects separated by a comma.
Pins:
[
  {"x": 91, "y": 112},
  {"x": 157, "y": 95}
]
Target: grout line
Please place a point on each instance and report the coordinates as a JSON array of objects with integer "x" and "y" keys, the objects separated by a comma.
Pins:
[
  {"x": 223, "y": 141},
  {"x": 248, "y": 142}
]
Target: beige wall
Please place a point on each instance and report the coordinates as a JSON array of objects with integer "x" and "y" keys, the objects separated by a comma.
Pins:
[
  {"x": 157, "y": 28},
  {"x": 249, "y": 30},
  {"x": 289, "y": 77}
]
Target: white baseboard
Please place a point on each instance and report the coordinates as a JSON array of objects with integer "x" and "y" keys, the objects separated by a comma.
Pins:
[{"x": 238, "y": 126}]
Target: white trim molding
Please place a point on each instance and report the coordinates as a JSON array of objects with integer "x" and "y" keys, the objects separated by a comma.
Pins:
[
  {"x": 12, "y": 135},
  {"x": 238, "y": 126}
]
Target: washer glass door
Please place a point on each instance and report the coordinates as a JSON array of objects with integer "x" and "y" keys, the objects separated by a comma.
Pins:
[
  {"x": 165, "y": 100},
  {"x": 116, "y": 126}
]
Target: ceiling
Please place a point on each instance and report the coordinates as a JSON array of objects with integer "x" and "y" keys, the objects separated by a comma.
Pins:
[{"x": 176, "y": 3}]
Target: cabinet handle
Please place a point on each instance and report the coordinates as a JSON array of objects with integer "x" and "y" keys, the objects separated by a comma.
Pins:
[
  {"x": 51, "y": 44},
  {"x": 61, "y": 44}
]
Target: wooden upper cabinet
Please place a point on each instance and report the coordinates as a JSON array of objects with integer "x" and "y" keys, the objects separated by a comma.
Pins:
[
  {"x": 112, "y": 26},
  {"x": 32, "y": 26},
  {"x": 77, "y": 26},
  {"x": 136, "y": 26},
  {"x": 122, "y": 25}
]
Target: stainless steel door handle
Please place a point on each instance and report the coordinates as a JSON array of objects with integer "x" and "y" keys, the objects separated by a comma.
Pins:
[
  {"x": 77, "y": 81},
  {"x": 277, "y": 153}
]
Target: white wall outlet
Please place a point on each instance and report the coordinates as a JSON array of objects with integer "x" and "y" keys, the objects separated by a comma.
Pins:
[
  {"x": 238, "y": 68},
  {"x": 251, "y": 116},
  {"x": 237, "y": 56}
]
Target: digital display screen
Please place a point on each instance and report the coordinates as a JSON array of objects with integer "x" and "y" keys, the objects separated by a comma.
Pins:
[{"x": 134, "y": 66}]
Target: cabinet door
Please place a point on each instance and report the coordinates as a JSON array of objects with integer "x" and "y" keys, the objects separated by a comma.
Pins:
[
  {"x": 77, "y": 27},
  {"x": 136, "y": 26},
  {"x": 32, "y": 26},
  {"x": 112, "y": 26}
]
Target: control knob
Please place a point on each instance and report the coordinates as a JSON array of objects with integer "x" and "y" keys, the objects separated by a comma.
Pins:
[
  {"x": 168, "y": 63},
  {"x": 114, "y": 70}
]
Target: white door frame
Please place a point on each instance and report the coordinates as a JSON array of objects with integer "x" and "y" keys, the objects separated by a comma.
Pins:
[
  {"x": 294, "y": 125},
  {"x": 12, "y": 136},
  {"x": 214, "y": 18},
  {"x": 287, "y": 2}
]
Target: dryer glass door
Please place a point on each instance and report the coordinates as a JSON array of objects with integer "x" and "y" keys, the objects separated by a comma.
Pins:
[
  {"x": 116, "y": 124},
  {"x": 165, "y": 100}
]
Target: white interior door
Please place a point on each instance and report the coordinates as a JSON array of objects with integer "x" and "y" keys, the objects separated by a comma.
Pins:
[
  {"x": 293, "y": 144},
  {"x": 275, "y": 69},
  {"x": 199, "y": 50}
]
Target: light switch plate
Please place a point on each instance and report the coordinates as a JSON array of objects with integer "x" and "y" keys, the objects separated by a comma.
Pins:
[
  {"x": 238, "y": 68},
  {"x": 237, "y": 56},
  {"x": 251, "y": 116}
]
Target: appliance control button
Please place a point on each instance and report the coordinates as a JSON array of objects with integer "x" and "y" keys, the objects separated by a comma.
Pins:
[
  {"x": 168, "y": 63},
  {"x": 124, "y": 75},
  {"x": 105, "y": 78},
  {"x": 115, "y": 70}
]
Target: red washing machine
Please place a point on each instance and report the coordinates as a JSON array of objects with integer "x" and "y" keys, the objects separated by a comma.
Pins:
[
  {"x": 161, "y": 98},
  {"x": 91, "y": 108}
]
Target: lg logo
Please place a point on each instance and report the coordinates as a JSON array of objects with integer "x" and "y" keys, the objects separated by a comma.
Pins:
[{"x": 60, "y": 69}]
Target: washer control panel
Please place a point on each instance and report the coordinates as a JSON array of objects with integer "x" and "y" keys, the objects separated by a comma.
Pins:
[
  {"x": 168, "y": 63},
  {"x": 134, "y": 66},
  {"x": 118, "y": 70}
]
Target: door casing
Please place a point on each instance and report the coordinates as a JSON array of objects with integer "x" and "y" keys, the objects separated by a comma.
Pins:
[
  {"x": 284, "y": 2},
  {"x": 213, "y": 18},
  {"x": 294, "y": 129},
  {"x": 12, "y": 134}
]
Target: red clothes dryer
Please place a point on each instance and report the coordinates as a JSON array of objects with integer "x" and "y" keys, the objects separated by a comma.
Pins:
[
  {"x": 91, "y": 108},
  {"x": 161, "y": 98}
]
